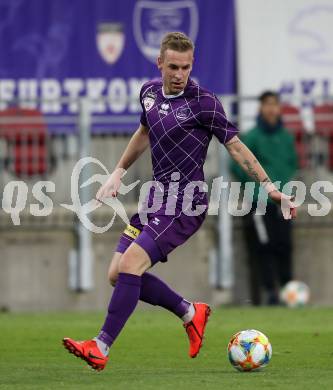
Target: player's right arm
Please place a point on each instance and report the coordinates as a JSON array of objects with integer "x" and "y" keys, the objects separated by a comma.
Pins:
[{"x": 136, "y": 146}]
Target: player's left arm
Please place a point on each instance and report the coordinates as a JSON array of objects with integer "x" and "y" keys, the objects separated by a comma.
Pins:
[{"x": 243, "y": 156}]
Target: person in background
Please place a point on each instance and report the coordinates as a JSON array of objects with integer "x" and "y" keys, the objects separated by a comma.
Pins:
[{"x": 269, "y": 237}]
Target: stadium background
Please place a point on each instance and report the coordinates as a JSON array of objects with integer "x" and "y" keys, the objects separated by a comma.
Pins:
[{"x": 56, "y": 54}]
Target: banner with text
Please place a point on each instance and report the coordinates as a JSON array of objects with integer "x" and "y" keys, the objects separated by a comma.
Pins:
[{"x": 52, "y": 52}]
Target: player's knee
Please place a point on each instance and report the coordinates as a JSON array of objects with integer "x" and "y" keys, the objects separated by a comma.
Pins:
[
  {"x": 127, "y": 263},
  {"x": 134, "y": 261}
]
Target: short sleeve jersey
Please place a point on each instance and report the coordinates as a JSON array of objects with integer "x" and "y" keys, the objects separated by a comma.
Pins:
[{"x": 180, "y": 129}]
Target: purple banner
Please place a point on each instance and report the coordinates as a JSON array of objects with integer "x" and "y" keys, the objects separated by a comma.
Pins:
[{"x": 54, "y": 51}]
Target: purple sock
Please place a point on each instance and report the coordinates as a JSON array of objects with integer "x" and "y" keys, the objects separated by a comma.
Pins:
[
  {"x": 155, "y": 292},
  {"x": 123, "y": 302}
]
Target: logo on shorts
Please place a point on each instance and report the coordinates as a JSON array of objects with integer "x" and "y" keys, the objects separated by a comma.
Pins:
[
  {"x": 183, "y": 113},
  {"x": 153, "y": 19},
  {"x": 156, "y": 221},
  {"x": 110, "y": 41},
  {"x": 149, "y": 100}
]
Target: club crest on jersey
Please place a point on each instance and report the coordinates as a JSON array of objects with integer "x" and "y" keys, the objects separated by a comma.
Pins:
[
  {"x": 110, "y": 41},
  {"x": 183, "y": 113},
  {"x": 153, "y": 19},
  {"x": 149, "y": 100}
]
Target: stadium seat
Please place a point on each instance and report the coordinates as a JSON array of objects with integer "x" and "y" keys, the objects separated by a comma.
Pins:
[
  {"x": 323, "y": 119},
  {"x": 293, "y": 122},
  {"x": 26, "y": 136}
]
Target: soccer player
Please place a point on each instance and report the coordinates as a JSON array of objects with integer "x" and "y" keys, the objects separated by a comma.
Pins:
[{"x": 178, "y": 121}]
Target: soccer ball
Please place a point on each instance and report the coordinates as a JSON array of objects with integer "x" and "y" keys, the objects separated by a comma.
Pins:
[
  {"x": 249, "y": 350},
  {"x": 295, "y": 294}
]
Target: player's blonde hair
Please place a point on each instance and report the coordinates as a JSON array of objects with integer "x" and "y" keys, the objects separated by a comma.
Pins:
[{"x": 177, "y": 41}]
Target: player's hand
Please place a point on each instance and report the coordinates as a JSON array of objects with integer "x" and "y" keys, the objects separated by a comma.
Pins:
[
  {"x": 288, "y": 208},
  {"x": 111, "y": 187}
]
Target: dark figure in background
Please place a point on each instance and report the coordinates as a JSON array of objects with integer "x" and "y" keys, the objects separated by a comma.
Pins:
[{"x": 269, "y": 237}]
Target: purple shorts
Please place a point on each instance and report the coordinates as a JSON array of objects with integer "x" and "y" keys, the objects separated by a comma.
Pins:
[{"x": 161, "y": 235}]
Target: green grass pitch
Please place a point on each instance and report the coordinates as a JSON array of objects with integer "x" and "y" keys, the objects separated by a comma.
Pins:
[{"x": 151, "y": 353}]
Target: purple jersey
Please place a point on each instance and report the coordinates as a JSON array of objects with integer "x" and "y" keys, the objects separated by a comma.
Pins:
[{"x": 180, "y": 129}]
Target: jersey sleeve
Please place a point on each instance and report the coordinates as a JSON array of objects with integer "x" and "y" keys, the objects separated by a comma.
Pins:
[
  {"x": 214, "y": 119},
  {"x": 143, "y": 118}
]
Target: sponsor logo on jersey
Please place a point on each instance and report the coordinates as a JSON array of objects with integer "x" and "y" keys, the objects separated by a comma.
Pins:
[
  {"x": 110, "y": 41},
  {"x": 183, "y": 113},
  {"x": 153, "y": 19}
]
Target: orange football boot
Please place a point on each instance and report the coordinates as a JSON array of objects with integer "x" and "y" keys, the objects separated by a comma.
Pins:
[
  {"x": 88, "y": 351},
  {"x": 195, "y": 329}
]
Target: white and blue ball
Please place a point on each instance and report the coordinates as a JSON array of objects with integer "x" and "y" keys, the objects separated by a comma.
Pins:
[{"x": 249, "y": 350}]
